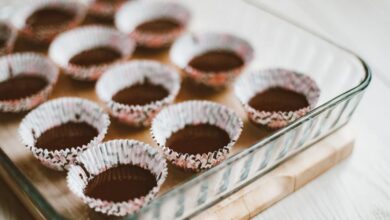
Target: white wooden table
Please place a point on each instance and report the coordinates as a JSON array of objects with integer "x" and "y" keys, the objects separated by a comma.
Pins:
[{"x": 358, "y": 188}]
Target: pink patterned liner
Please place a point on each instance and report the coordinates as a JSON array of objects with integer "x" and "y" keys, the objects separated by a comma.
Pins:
[
  {"x": 46, "y": 34},
  {"x": 70, "y": 43},
  {"x": 8, "y": 33},
  {"x": 32, "y": 63},
  {"x": 110, "y": 154},
  {"x": 175, "y": 117},
  {"x": 130, "y": 73},
  {"x": 54, "y": 113},
  {"x": 251, "y": 83},
  {"x": 134, "y": 13},
  {"x": 104, "y": 9},
  {"x": 191, "y": 45}
]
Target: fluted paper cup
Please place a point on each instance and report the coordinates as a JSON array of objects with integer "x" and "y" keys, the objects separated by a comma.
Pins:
[
  {"x": 29, "y": 64},
  {"x": 136, "y": 72},
  {"x": 57, "y": 112},
  {"x": 110, "y": 154},
  {"x": 176, "y": 117},
  {"x": 47, "y": 33},
  {"x": 73, "y": 42},
  {"x": 134, "y": 13},
  {"x": 191, "y": 45},
  {"x": 252, "y": 83}
]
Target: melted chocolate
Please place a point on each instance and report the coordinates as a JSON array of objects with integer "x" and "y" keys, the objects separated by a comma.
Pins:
[
  {"x": 217, "y": 61},
  {"x": 96, "y": 56},
  {"x": 141, "y": 94},
  {"x": 70, "y": 134},
  {"x": 278, "y": 99},
  {"x": 3, "y": 41},
  {"x": 49, "y": 17},
  {"x": 121, "y": 183},
  {"x": 159, "y": 26},
  {"x": 21, "y": 86},
  {"x": 198, "y": 139}
]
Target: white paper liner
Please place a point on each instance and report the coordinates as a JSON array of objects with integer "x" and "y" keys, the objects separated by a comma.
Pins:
[
  {"x": 176, "y": 117},
  {"x": 35, "y": 64},
  {"x": 191, "y": 45},
  {"x": 251, "y": 83},
  {"x": 111, "y": 154},
  {"x": 135, "y": 72},
  {"x": 8, "y": 34},
  {"x": 55, "y": 113},
  {"x": 47, "y": 33},
  {"x": 70, "y": 43},
  {"x": 134, "y": 13}
]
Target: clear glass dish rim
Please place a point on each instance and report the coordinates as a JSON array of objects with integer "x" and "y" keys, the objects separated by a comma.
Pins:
[{"x": 48, "y": 212}]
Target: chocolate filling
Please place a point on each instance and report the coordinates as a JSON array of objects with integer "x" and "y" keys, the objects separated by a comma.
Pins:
[
  {"x": 3, "y": 41},
  {"x": 49, "y": 17},
  {"x": 96, "y": 56},
  {"x": 112, "y": 2},
  {"x": 121, "y": 183},
  {"x": 278, "y": 99},
  {"x": 141, "y": 94},
  {"x": 217, "y": 61},
  {"x": 70, "y": 134},
  {"x": 198, "y": 139},
  {"x": 159, "y": 26},
  {"x": 21, "y": 86}
]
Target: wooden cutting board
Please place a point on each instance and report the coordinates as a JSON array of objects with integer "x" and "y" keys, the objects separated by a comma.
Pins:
[{"x": 284, "y": 180}]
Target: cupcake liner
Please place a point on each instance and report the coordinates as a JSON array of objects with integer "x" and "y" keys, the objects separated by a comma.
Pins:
[
  {"x": 134, "y": 13},
  {"x": 72, "y": 42},
  {"x": 135, "y": 72},
  {"x": 8, "y": 35},
  {"x": 34, "y": 64},
  {"x": 104, "y": 8},
  {"x": 111, "y": 154},
  {"x": 176, "y": 117},
  {"x": 192, "y": 45},
  {"x": 47, "y": 33},
  {"x": 55, "y": 113},
  {"x": 251, "y": 83}
]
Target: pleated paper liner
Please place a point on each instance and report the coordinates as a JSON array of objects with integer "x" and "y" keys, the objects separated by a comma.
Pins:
[
  {"x": 48, "y": 32},
  {"x": 103, "y": 8},
  {"x": 134, "y": 13},
  {"x": 73, "y": 42},
  {"x": 28, "y": 64},
  {"x": 176, "y": 117},
  {"x": 133, "y": 73},
  {"x": 191, "y": 45},
  {"x": 59, "y": 112},
  {"x": 98, "y": 159},
  {"x": 254, "y": 82}
]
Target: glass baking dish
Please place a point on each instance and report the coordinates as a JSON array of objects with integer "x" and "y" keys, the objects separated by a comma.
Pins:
[{"x": 341, "y": 75}]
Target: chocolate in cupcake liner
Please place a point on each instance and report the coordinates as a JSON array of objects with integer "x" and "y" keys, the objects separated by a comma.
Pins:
[
  {"x": 73, "y": 42},
  {"x": 176, "y": 117},
  {"x": 134, "y": 13},
  {"x": 28, "y": 64},
  {"x": 7, "y": 38},
  {"x": 191, "y": 45},
  {"x": 137, "y": 72},
  {"x": 111, "y": 154},
  {"x": 58, "y": 112},
  {"x": 47, "y": 33},
  {"x": 252, "y": 83}
]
